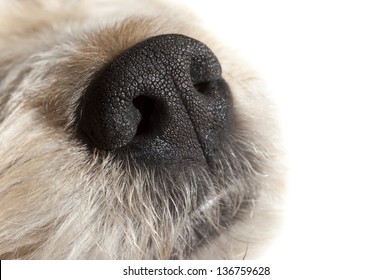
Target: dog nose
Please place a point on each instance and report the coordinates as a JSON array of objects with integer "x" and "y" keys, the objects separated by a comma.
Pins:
[{"x": 163, "y": 101}]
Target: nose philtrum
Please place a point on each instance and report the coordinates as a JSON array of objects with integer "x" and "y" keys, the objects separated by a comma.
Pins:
[{"x": 162, "y": 100}]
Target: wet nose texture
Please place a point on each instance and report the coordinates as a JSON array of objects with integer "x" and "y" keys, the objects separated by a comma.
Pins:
[{"x": 162, "y": 101}]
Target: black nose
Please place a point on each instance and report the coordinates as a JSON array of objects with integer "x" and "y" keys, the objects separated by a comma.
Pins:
[{"x": 162, "y": 100}]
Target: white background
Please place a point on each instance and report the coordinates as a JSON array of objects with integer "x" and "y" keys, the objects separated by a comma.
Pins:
[{"x": 327, "y": 65}]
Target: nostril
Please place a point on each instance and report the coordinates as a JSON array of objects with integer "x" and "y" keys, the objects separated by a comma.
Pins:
[
  {"x": 150, "y": 114},
  {"x": 209, "y": 88},
  {"x": 205, "y": 73},
  {"x": 202, "y": 87}
]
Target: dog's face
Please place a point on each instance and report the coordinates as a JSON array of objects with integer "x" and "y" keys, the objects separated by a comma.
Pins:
[{"x": 128, "y": 132}]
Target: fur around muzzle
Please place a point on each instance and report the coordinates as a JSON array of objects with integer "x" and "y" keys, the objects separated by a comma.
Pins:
[{"x": 82, "y": 177}]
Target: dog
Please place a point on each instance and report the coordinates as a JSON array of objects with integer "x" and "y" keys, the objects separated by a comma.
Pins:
[{"x": 127, "y": 131}]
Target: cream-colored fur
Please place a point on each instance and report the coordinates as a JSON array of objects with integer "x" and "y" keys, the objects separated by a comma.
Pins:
[{"x": 60, "y": 200}]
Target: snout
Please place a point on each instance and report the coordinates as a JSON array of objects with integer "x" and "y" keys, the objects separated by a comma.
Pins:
[{"x": 163, "y": 101}]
